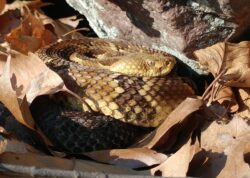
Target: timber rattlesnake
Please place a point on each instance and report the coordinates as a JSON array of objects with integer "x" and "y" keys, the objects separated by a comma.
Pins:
[{"x": 124, "y": 88}]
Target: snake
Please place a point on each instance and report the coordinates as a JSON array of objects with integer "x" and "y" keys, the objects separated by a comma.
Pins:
[{"x": 125, "y": 89}]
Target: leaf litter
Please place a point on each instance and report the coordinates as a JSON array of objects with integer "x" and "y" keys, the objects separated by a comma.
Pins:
[{"x": 190, "y": 142}]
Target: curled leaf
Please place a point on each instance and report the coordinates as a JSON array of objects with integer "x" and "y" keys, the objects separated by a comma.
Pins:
[
  {"x": 230, "y": 65},
  {"x": 9, "y": 97},
  {"x": 223, "y": 95},
  {"x": 23, "y": 78},
  {"x": 177, "y": 164},
  {"x": 130, "y": 158},
  {"x": 228, "y": 57}
]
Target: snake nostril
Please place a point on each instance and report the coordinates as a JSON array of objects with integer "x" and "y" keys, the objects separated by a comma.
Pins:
[{"x": 160, "y": 69}]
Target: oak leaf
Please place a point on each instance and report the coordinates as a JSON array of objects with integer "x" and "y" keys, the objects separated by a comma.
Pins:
[
  {"x": 230, "y": 65},
  {"x": 30, "y": 35},
  {"x": 229, "y": 58}
]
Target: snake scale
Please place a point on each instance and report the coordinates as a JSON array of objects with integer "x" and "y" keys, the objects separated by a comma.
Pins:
[{"x": 125, "y": 88}]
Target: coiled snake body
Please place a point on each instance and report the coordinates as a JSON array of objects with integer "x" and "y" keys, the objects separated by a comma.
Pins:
[{"x": 124, "y": 88}]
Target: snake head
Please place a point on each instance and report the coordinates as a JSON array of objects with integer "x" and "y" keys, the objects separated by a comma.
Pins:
[{"x": 144, "y": 64}]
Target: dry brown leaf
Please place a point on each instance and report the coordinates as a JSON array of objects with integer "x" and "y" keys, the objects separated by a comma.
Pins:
[
  {"x": 226, "y": 97},
  {"x": 9, "y": 97},
  {"x": 179, "y": 119},
  {"x": 30, "y": 35},
  {"x": 130, "y": 158},
  {"x": 30, "y": 77},
  {"x": 176, "y": 165},
  {"x": 218, "y": 137},
  {"x": 217, "y": 93},
  {"x": 235, "y": 165},
  {"x": 228, "y": 57},
  {"x": 244, "y": 102},
  {"x": 8, "y": 21},
  {"x": 223, "y": 95},
  {"x": 216, "y": 142},
  {"x": 229, "y": 63},
  {"x": 35, "y": 160},
  {"x": 230, "y": 163},
  {"x": 2, "y": 5}
]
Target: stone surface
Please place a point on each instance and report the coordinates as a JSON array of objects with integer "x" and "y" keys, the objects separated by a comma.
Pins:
[{"x": 182, "y": 25}]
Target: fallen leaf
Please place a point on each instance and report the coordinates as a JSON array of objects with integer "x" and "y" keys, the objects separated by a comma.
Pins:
[
  {"x": 129, "y": 158},
  {"x": 180, "y": 119},
  {"x": 31, "y": 76},
  {"x": 29, "y": 79},
  {"x": 8, "y": 21},
  {"x": 228, "y": 57},
  {"x": 226, "y": 98},
  {"x": 207, "y": 164},
  {"x": 235, "y": 165},
  {"x": 218, "y": 143},
  {"x": 243, "y": 98},
  {"x": 30, "y": 35},
  {"x": 9, "y": 97},
  {"x": 2, "y": 4},
  {"x": 218, "y": 136},
  {"x": 46, "y": 82},
  {"x": 229, "y": 64},
  {"x": 223, "y": 95},
  {"x": 176, "y": 165}
]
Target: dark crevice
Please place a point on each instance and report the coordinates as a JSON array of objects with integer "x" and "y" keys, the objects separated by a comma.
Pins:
[
  {"x": 135, "y": 12},
  {"x": 66, "y": 11}
]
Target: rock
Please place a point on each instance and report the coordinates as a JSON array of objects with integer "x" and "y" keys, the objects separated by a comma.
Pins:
[{"x": 183, "y": 25}]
